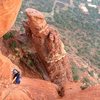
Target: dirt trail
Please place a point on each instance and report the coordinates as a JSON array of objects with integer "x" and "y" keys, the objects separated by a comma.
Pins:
[
  {"x": 51, "y": 14},
  {"x": 53, "y": 8}
]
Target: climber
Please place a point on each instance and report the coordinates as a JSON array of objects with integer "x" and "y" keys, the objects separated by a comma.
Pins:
[{"x": 16, "y": 76}]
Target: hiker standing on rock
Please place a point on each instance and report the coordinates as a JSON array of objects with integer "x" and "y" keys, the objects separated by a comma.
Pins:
[{"x": 16, "y": 76}]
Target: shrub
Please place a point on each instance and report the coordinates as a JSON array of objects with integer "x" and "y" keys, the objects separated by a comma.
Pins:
[
  {"x": 86, "y": 80},
  {"x": 91, "y": 73},
  {"x": 30, "y": 63},
  {"x": 9, "y": 35},
  {"x": 75, "y": 77},
  {"x": 83, "y": 69},
  {"x": 75, "y": 72},
  {"x": 13, "y": 45}
]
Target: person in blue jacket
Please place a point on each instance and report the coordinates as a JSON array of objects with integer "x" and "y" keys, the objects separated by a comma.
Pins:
[{"x": 16, "y": 76}]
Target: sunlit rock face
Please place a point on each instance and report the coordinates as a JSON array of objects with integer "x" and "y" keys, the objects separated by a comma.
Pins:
[
  {"x": 49, "y": 48},
  {"x": 6, "y": 67},
  {"x": 28, "y": 89},
  {"x": 8, "y": 13}
]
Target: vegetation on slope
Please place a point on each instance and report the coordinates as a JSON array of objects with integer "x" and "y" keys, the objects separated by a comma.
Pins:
[{"x": 79, "y": 31}]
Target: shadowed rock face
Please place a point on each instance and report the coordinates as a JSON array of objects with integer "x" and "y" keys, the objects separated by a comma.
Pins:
[
  {"x": 8, "y": 13},
  {"x": 49, "y": 48}
]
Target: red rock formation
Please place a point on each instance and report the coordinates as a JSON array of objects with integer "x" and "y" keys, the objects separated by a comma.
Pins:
[
  {"x": 8, "y": 12},
  {"x": 51, "y": 52},
  {"x": 49, "y": 48},
  {"x": 35, "y": 89},
  {"x": 29, "y": 89}
]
